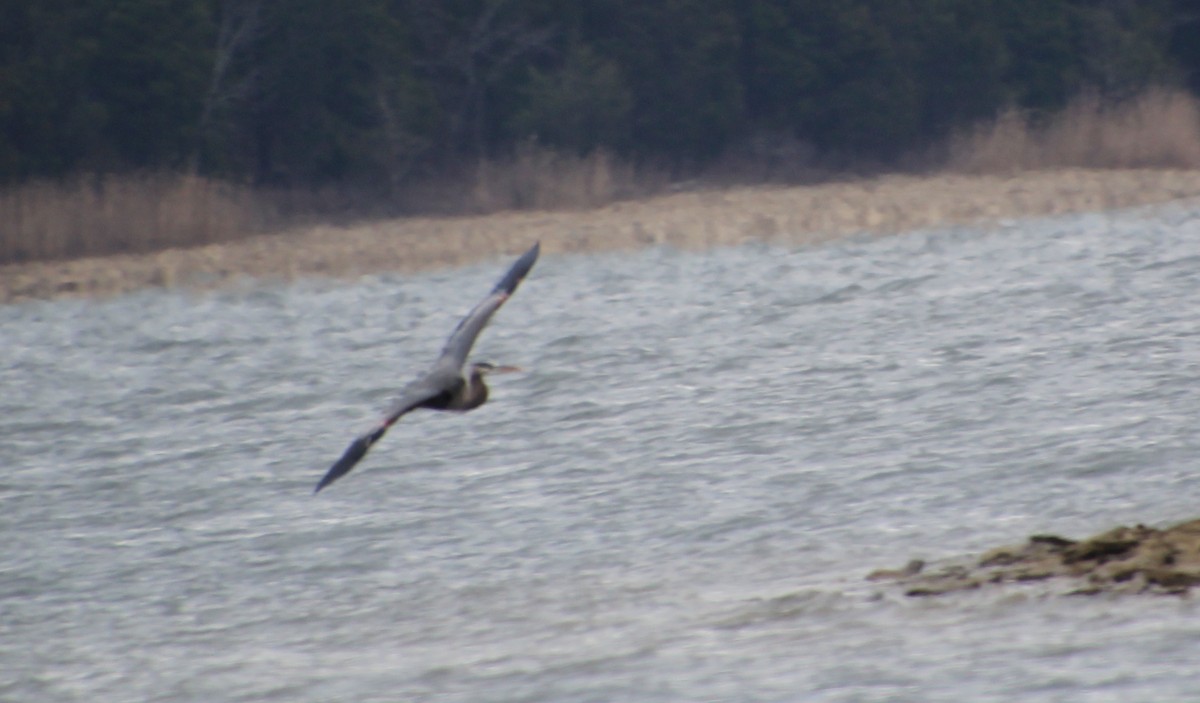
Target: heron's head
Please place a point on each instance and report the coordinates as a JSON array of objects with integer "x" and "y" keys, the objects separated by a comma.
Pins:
[{"x": 484, "y": 368}]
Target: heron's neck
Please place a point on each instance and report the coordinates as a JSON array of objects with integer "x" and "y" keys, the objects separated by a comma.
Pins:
[{"x": 476, "y": 392}]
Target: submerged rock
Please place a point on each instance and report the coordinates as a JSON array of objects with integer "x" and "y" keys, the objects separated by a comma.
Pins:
[{"x": 1136, "y": 559}]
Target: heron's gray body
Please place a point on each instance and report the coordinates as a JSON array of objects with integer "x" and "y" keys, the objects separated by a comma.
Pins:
[
  {"x": 461, "y": 393},
  {"x": 445, "y": 386}
]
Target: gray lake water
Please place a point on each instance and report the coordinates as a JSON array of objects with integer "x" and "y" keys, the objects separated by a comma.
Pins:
[{"x": 678, "y": 501}]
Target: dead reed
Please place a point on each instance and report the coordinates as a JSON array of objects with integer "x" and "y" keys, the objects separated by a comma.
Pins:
[
  {"x": 86, "y": 216},
  {"x": 1160, "y": 128},
  {"x": 537, "y": 178}
]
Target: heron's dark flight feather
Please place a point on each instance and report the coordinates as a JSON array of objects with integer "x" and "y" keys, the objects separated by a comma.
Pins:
[{"x": 414, "y": 397}]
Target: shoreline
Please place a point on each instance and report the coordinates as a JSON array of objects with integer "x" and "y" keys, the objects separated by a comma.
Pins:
[{"x": 700, "y": 219}]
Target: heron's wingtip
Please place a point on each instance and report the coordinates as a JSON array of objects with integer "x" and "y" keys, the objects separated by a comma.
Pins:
[{"x": 325, "y": 481}]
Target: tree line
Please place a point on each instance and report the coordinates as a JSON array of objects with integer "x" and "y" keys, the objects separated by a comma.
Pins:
[{"x": 306, "y": 92}]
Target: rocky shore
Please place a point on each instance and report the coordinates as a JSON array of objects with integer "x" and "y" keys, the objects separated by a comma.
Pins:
[
  {"x": 694, "y": 219},
  {"x": 1126, "y": 560}
]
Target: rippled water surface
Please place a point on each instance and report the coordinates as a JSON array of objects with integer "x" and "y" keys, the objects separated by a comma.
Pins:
[{"x": 678, "y": 501}]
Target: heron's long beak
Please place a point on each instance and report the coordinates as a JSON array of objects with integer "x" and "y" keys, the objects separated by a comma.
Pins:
[{"x": 506, "y": 369}]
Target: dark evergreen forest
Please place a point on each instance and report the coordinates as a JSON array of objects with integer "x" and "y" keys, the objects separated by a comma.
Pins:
[{"x": 309, "y": 92}]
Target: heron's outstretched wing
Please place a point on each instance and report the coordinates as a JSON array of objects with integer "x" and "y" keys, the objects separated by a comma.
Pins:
[
  {"x": 414, "y": 395},
  {"x": 463, "y": 337}
]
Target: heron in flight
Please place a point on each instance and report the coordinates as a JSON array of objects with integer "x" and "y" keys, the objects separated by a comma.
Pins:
[{"x": 445, "y": 386}]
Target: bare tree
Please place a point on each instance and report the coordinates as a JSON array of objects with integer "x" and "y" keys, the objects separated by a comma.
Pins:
[
  {"x": 239, "y": 26},
  {"x": 465, "y": 59},
  {"x": 404, "y": 146}
]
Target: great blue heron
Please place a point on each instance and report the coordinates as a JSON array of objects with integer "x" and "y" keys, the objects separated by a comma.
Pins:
[{"x": 444, "y": 386}]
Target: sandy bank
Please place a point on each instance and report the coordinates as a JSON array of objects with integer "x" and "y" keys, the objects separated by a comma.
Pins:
[{"x": 798, "y": 215}]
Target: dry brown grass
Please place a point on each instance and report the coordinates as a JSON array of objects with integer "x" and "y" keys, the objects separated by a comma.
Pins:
[
  {"x": 537, "y": 178},
  {"x": 98, "y": 215},
  {"x": 1158, "y": 129},
  {"x": 45, "y": 220}
]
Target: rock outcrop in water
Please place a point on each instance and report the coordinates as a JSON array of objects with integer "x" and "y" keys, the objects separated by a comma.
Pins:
[{"x": 1123, "y": 560}]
